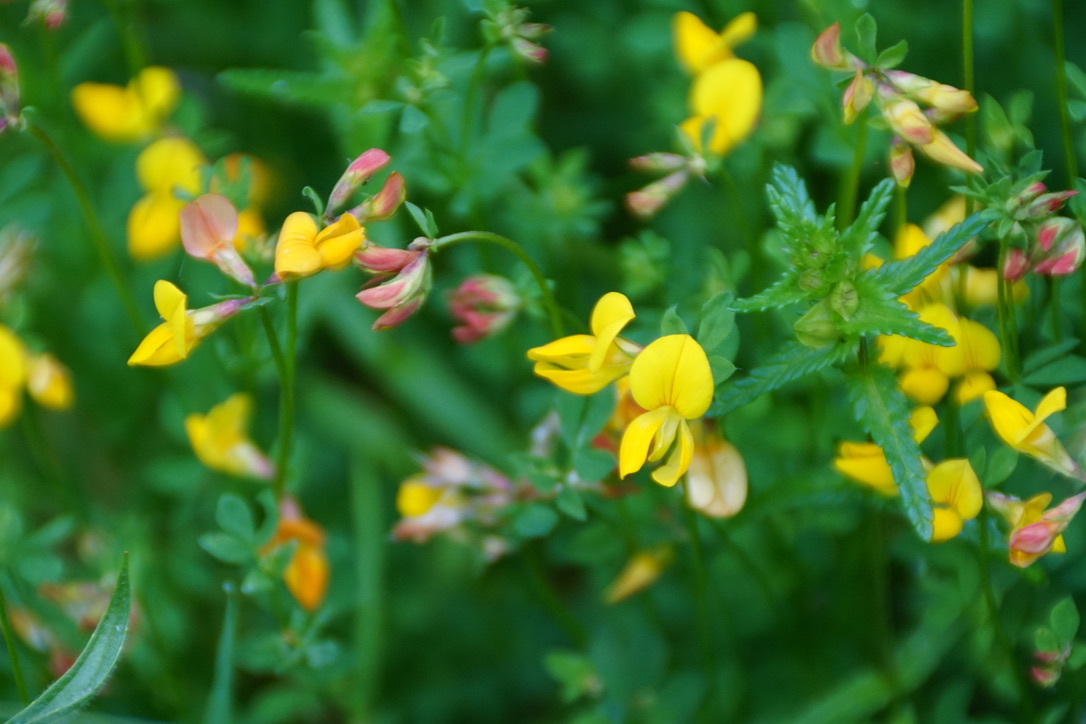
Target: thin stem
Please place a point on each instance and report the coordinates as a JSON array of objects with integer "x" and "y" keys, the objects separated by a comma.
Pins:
[
  {"x": 97, "y": 232},
  {"x": 901, "y": 208},
  {"x": 286, "y": 363},
  {"x": 969, "y": 77},
  {"x": 9, "y": 638},
  {"x": 1008, "y": 327},
  {"x": 369, "y": 552},
  {"x": 550, "y": 598},
  {"x": 701, "y": 597},
  {"x": 490, "y": 237},
  {"x": 1070, "y": 161},
  {"x": 133, "y": 48},
  {"x": 846, "y": 207}
]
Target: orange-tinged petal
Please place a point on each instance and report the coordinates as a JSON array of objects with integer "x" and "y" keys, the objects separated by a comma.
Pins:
[
  {"x": 634, "y": 448},
  {"x": 306, "y": 576},
  {"x": 673, "y": 371}
]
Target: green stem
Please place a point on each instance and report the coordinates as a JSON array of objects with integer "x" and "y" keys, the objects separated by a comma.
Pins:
[
  {"x": 97, "y": 232},
  {"x": 851, "y": 188},
  {"x": 490, "y": 237},
  {"x": 701, "y": 599},
  {"x": 220, "y": 701},
  {"x": 969, "y": 76},
  {"x": 9, "y": 638},
  {"x": 133, "y": 48},
  {"x": 369, "y": 552},
  {"x": 901, "y": 208},
  {"x": 1008, "y": 326},
  {"x": 1070, "y": 160},
  {"x": 286, "y": 363}
]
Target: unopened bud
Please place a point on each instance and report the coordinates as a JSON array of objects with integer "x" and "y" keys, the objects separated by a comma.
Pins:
[
  {"x": 358, "y": 173},
  {"x": 533, "y": 31},
  {"x": 51, "y": 13},
  {"x": 844, "y": 299},
  {"x": 826, "y": 50},
  {"x": 384, "y": 204},
  {"x": 1063, "y": 246},
  {"x": 908, "y": 121},
  {"x": 9, "y": 88},
  {"x": 1015, "y": 264},
  {"x": 817, "y": 327},
  {"x": 902, "y": 162},
  {"x": 857, "y": 95},
  {"x": 532, "y": 52},
  {"x": 659, "y": 162},
  {"x": 942, "y": 150},
  {"x": 646, "y": 202},
  {"x": 1047, "y": 204}
]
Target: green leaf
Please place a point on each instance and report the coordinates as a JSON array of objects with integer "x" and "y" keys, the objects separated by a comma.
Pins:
[
  {"x": 902, "y": 275},
  {"x": 1065, "y": 371},
  {"x": 569, "y": 501},
  {"x": 783, "y": 293},
  {"x": 221, "y": 696},
  {"x": 233, "y": 516},
  {"x": 225, "y": 547},
  {"x": 672, "y": 323},
  {"x": 1064, "y": 619},
  {"x": 789, "y": 200},
  {"x": 1000, "y": 466},
  {"x": 892, "y": 56},
  {"x": 1078, "y": 655},
  {"x": 859, "y": 237},
  {"x": 570, "y": 409},
  {"x": 293, "y": 87},
  {"x": 91, "y": 670},
  {"x": 574, "y": 672},
  {"x": 423, "y": 219},
  {"x": 792, "y": 362},
  {"x": 1036, "y": 360},
  {"x": 593, "y": 464},
  {"x": 721, "y": 367},
  {"x": 884, "y": 412},
  {"x": 879, "y": 312},
  {"x": 867, "y": 34},
  {"x": 535, "y": 521},
  {"x": 413, "y": 120},
  {"x": 717, "y": 322}
]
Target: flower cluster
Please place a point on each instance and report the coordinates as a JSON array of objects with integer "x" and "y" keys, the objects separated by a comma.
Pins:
[
  {"x": 508, "y": 25},
  {"x": 725, "y": 101},
  {"x": 898, "y": 96},
  {"x": 1042, "y": 241},
  {"x": 40, "y": 374}
]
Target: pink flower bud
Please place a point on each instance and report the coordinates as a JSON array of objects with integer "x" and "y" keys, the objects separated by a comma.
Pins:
[
  {"x": 208, "y": 228},
  {"x": 1063, "y": 245},
  {"x": 385, "y": 203},
  {"x": 902, "y": 163},
  {"x": 9, "y": 88},
  {"x": 1015, "y": 265},
  {"x": 1034, "y": 540},
  {"x": 484, "y": 305},
  {"x": 531, "y": 52},
  {"x": 404, "y": 291},
  {"x": 645, "y": 203},
  {"x": 907, "y": 120},
  {"x": 659, "y": 163},
  {"x": 1047, "y": 204},
  {"x": 1044, "y": 676},
  {"x": 52, "y": 13},
  {"x": 826, "y": 50},
  {"x": 857, "y": 95},
  {"x": 533, "y": 31},
  {"x": 357, "y": 174}
]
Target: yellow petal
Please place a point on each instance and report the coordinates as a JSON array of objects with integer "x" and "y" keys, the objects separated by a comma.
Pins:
[
  {"x": 154, "y": 226},
  {"x": 634, "y": 448},
  {"x": 673, "y": 371},
  {"x": 1053, "y": 402},
  {"x": 49, "y": 382},
  {"x": 696, "y": 44},
  {"x": 612, "y": 312},
  {"x": 716, "y": 481},
  {"x": 157, "y": 349},
  {"x": 980, "y": 346},
  {"x": 923, "y": 420},
  {"x": 336, "y": 243},
  {"x": 11, "y": 401},
  {"x": 109, "y": 111},
  {"x": 1009, "y": 418},
  {"x": 945, "y": 524},
  {"x": 973, "y": 386},
  {"x": 865, "y": 463},
  {"x": 730, "y": 94},
  {"x": 678, "y": 462},
  {"x": 739, "y": 30},
  {"x": 640, "y": 572},
  {"x": 12, "y": 359},
  {"x": 306, "y": 576},
  {"x": 170, "y": 162},
  {"x": 926, "y": 385},
  {"x": 295, "y": 255},
  {"x": 415, "y": 498},
  {"x": 157, "y": 90},
  {"x": 953, "y": 483}
]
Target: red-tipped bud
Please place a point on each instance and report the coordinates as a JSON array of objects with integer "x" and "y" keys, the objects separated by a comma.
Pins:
[
  {"x": 857, "y": 95},
  {"x": 645, "y": 203},
  {"x": 1062, "y": 246},
  {"x": 659, "y": 163},
  {"x": 358, "y": 173},
  {"x": 1047, "y": 204},
  {"x": 826, "y": 50},
  {"x": 531, "y": 52},
  {"x": 385, "y": 203},
  {"x": 405, "y": 291},
  {"x": 902, "y": 162},
  {"x": 9, "y": 88},
  {"x": 1015, "y": 265},
  {"x": 484, "y": 305},
  {"x": 51, "y": 13}
]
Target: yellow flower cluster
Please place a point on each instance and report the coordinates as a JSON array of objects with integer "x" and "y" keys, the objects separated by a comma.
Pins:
[{"x": 47, "y": 380}]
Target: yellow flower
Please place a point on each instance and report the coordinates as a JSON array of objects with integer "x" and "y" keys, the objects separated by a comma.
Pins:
[
  {"x": 1035, "y": 530},
  {"x": 307, "y": 572},
  {"x": 716, "y": 483},
  {"x": 586, "y": 363},
  {"x": 929, "y": 367},
  {"x": 183, "y": 329},
  {"x": 728, "y": 96},
  {"x": 131, "y": 113},
  {"x": 956, "y": 497},
  {"x": 865, "y": 462},
  {"x": 12, "y": 375},
  {"x": 699, "y": 48},
  {"x": 1026, "y": 432},
  {"x": 303, "y": 249},
  {"x": 169, "y": 164},
  {"x": 639, "y": 573},
  {"x": 220, "y": 442},
  {"x": 49, "y": 382},
  {"x": 672, "y": 380},
  {"x": 980, "y": 356}
]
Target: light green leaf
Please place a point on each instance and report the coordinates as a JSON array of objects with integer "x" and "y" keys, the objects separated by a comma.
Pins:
[
  {"x": 1064, "y": 619},
  {"x": 892, "y": 56},
  {"x": 717, "y": 322},
  {"x": 90, "y": 671},
  {"x": 569, "y": 501},
  {"x": 535, "y": 521},
  {"x": 233, "y": 515},
  {"x": 672, "y": 323}
]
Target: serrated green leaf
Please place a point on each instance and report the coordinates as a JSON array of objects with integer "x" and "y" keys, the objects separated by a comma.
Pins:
[
  {"x": 789, "y": 200},
  {"x": 900, "y": 276},
  {"x": 882, "y": 409},
  {"x": 672, "y": 323},
  {"x": 91, "y": 670},
  {"x": 569, "y": 501},
  {"x": 294, "y": 87},
  {"x": 881, "y": 313},
  {"x": 792, "y": 362},
  {"x": 233, "y": 515},
  {"x": 861, "y": 234},
  {"x": 225, "y": 547},
  {"x": 535, "y": 521},
  {"x": 892, "y": 56},
  {"x": 1065, "y": 620},
  {"x": 783, "y": 293}
]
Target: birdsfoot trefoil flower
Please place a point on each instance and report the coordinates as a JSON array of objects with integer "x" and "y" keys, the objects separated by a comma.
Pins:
[
  {"x": 209, "y": 226},
  {"x": 304, "y": 249},
  {"x": 307, "y": 573},
  {"x": 220, "y": 441},
  {"x": 484, "y": 305},
  {"x": 1034, "y": 530},
  {"x": 182, "y": 328},
  {"x": 1026, "y": 431},
  {"x": 131, "y": 113},
  {"x": 402, "y": 282}
]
